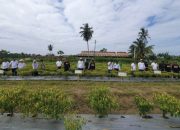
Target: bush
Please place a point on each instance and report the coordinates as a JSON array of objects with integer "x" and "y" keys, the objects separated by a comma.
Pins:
[
  {"x": 72, "y": 122},
  {"x": 167, "y": 104},
  {"x": 102, "y": 101},
  {"x": 143, "y": 105}
]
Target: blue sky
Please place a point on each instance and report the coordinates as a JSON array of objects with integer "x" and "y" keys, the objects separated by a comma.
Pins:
[{"x": 30, "y": 25}]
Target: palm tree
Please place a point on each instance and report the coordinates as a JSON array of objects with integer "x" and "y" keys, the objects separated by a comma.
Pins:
[
  {"x": 139, "y": 49},
  {"x": 60, "y": 52},
  {"x": 86, "y": 32},
  {"x": 50, "y": 48}
]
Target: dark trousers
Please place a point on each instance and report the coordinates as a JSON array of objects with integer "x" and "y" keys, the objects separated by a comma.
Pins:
[
  {"x": 4, "y": 71},
  {"x": 14, "y": 72}
]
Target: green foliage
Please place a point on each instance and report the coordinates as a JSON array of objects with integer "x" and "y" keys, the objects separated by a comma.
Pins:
[
  {"x": 72, "y": 122},
  {"x": 10, "y": 99},
  {"x": 102, "y": 101},
  {"x": 144, "y": 106},
  {"x": 167, "y": 104}
]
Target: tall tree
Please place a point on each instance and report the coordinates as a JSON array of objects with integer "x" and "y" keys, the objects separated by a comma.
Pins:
[
  {"x": 139, "y": 49},
  {"x": 86, "y": 32},
  {"x": 50, "y": 48},
  {"x": 103, "y": 50},
  {"x": 60, "y": 52}
]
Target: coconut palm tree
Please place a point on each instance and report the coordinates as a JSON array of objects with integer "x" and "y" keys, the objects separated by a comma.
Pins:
[
  {"x": 139, "y": 49},
  {"x": 50, "y": 48},
  {"x": 86, "y": 32}
]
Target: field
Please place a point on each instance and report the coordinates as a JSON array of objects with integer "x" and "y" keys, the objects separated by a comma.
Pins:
[{"x": 125, "y": 92}]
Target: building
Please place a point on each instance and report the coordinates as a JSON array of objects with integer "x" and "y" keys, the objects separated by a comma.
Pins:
[{"x": 103, "y": 54}]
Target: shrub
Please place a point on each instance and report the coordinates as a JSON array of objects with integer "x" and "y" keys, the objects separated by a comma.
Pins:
[
  {"x": 143, "y": 105},
  {"x": 102, "y": 101},
  {"x": 72, "y": 122},
  {"x": 167, "y": 104},
  {"x": 10, "y": 99}
]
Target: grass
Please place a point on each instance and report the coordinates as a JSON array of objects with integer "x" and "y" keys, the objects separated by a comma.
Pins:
[{"x": 125, "y": 92}]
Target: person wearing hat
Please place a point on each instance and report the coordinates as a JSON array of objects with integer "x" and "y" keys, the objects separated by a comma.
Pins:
[
  {"x": 80, "y": 64},
  {"x": 35, "y": 66},
  {"x": 141, "y": 65},
  {"x": 14, "y": 67},
  {"x": 21, "y": 64}
]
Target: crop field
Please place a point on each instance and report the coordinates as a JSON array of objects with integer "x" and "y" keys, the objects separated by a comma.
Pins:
[{"x": 79, "y": 91}]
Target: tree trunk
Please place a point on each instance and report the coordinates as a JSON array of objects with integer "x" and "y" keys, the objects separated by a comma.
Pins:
[{"x": 88, "y": 48}]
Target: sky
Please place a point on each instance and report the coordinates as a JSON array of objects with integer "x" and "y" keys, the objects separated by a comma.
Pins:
[{"x": 31, "y": 25}]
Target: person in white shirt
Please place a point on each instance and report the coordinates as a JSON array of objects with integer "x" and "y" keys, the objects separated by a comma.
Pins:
[
  {"x": 80, "y": 64},
  {"x": 141, "y": 65},
  {"x": 154, "y": 66},
  {"x": 35, "y": 66},
  {"x": 14, "y": 66},
  {"x": 21, "y": 64},
  {"x": 133, "y": 67},
  {"x": 59, "y": 64},
  {"x": 110, "y": 66},
  {"x": 116, "y": 66},
  {"x": 5, "y": 66}
]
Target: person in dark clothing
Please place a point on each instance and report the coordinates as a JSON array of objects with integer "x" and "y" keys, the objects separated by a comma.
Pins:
[
  {"x": 86, "y": 64},
  {"x": 168, "y": 67},
  {"x": 162, "y": 66},
  {"x": 146, "y": 65},
  {"x": 175, "y": 68},
  {"x": 92, "y": 65},
  {"x": 66, "y": 65}
]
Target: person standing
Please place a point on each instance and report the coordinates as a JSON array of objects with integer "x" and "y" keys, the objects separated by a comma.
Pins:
[
  {"x": 133, "y": 67},
  {"x": 110, "y": 66},
  {"x": 80, "y": 64},
  {"x": 154, "y": 66},
  {"x": 5, "y": 66},
  {"x": 21, "y": 64},
  {"x": 175, "y": 68},
  {"x": 42, "y": 65},
  {"x": 92, "y": 65},
  {"x": 66, "y": 65},
  {"x": 35, "y": 66},
  {"x": 14, "y": 66},
  {"x": 59, "y": 64},
  {"x": 116, "y": 66},
  {"x": 141, "y": 65},
  {"x": 162, "y": 66}
]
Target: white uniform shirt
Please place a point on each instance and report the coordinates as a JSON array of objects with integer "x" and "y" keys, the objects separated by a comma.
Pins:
[
  {"x": 110, "y": 65},
  {"x": 21, "y": 65},
  {"x": 141, "y": 66},
  {"x": 58, "y": 63},
  {"x": 154, "y": 66},
  {"x": 5, "y": 65},
  {"x": 14, "y": 64},
  {"x": 80, "y": 64},
  {"x": 116, "y": 66},
  {"x": 133, "y": 67},
  {"x": 35, "y": 65}
]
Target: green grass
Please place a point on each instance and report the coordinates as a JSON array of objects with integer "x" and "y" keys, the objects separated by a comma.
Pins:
[{"x": 125, "y": 92}]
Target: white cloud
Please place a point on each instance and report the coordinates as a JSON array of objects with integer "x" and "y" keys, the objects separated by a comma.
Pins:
[{"x": 30, "y": 25}]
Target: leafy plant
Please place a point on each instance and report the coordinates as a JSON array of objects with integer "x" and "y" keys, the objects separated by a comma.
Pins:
[
  {"x": 102, "y": 101},
  {"x": 167, "y": 104},
  {"x": 144, "y": 106},
  {"x": 72, "y": 122}
]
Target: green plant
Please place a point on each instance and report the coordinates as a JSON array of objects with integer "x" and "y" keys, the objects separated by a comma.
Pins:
[
  {"x": 72, "y": 122},
  {"x": 102, "y": 101},
  {"x": 10, "y": 99},
  {"x": 144, "y": 106},
  {"x": 167, "y": 104}
]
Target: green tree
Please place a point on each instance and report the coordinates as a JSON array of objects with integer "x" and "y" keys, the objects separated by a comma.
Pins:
[
  {"x": 86, "y": 32},
  {"x": 103, "y": 50},
  {"x": 50, "y": 48},
  {"x": 60, "y": 52},
  {"x": 140, "y": 49}
]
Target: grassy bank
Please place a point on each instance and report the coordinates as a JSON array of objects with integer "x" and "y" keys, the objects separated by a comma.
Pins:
[{"x": 125, "y": 92}]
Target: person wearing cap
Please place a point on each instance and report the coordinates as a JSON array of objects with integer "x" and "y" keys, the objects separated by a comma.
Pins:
[
  {"x": 21, "y": 64},
  {"x": 59, "y": 64},
  {"x": 14, "y": 67},
  {"x": 154, "y": 66},
  {"x": 141, "y": 65},
  {"x": 35, "y": 66},
  {"x": 80, "y": 64}
]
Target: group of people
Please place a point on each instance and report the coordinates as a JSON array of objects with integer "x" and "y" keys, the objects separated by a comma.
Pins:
[
  {"x": 86, "y": 64},
  {"x": 13, "y": 65},
  {"x": 143, "y": 66}
]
